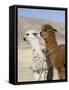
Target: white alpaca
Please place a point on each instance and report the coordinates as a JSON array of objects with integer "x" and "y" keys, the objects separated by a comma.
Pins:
[{"x": 38, "y": 56}]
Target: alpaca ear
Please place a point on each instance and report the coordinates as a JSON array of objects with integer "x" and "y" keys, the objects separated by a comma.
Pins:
[
  {"x": 55, "y": 30},
  {"x": 40, "y": 33}
]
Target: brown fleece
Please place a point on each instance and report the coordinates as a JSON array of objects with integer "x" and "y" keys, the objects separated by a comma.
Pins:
[{"x": 57, "y": 56}]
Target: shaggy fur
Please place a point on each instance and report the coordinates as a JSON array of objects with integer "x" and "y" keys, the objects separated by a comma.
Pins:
[
  {"x": 39, "y": 58},
  {"x": 57, "y": 56}
]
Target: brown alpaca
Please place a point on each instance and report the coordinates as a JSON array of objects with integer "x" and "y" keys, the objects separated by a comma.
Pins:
[{"x": 57, "y": 52}]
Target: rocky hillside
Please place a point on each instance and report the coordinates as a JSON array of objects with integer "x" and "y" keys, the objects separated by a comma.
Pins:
[{"x": 25, "y": 23}]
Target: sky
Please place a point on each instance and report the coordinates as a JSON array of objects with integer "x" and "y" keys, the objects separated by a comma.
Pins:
[{"x": 54, "y": 15}]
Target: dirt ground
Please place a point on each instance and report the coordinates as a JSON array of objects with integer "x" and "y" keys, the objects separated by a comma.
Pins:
[{"x": 24, "y": 63}]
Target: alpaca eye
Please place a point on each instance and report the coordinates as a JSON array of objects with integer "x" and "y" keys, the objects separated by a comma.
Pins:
[{"x": 27, "y": 34}]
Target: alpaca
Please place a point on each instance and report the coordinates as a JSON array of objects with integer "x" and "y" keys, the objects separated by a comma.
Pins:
[
  {"x": 38, "y": 56},
  {"x": 56, "y": 52}
]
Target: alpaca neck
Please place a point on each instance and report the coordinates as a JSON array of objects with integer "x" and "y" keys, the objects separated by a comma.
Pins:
[{"x": 51, "y": 43}]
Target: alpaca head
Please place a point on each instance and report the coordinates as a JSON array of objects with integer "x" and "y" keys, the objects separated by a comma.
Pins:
[
  {"x": 47, "y": 31},
  {"x": 30, "y": 35}
]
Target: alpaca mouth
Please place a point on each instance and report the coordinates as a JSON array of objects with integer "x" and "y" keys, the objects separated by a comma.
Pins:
[{"x": 24, "y": 39}]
